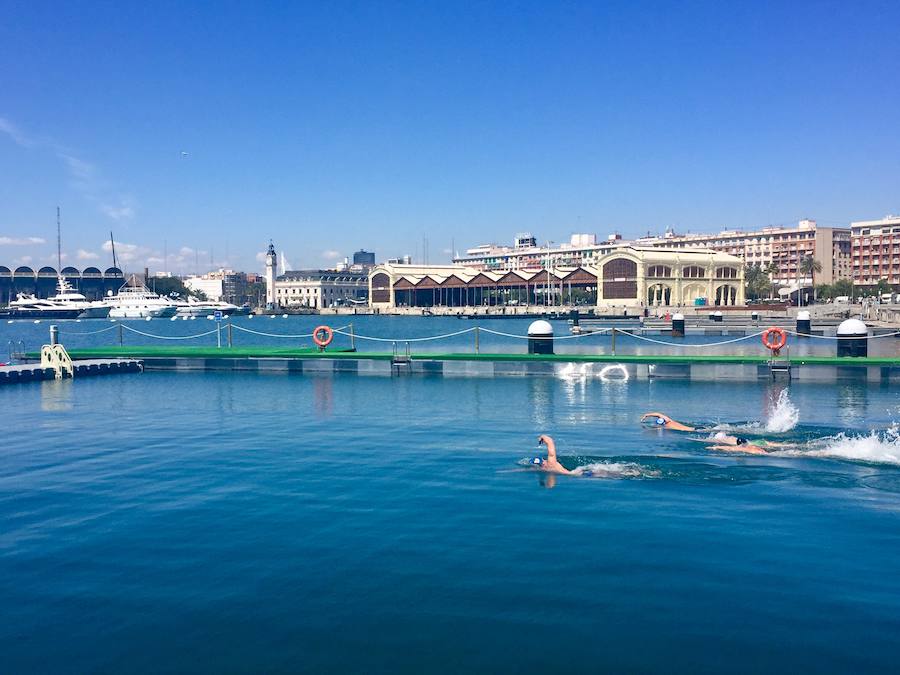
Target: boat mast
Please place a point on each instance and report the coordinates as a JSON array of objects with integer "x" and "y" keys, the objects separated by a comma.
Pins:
[{"x": 58, "y": 244}]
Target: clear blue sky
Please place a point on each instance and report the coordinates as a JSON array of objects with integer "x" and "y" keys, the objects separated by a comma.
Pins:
[{"x": 332, "y": 126}]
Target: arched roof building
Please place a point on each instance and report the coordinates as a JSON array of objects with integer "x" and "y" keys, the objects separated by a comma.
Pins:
[{"x": 627, "y": 276}]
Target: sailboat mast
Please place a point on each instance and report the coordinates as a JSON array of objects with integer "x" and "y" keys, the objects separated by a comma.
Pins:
[
  {"x": 58, "y": 244},
  {"x": 112, "y": 244}
]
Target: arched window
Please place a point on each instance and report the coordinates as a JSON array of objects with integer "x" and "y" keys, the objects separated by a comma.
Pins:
[
  {"x": 620, "y": 279},
  {"x": 726, "y": 273},
  {"x": 657, "y": 271},
  {"x": 381, "y": 288},
  {"x": 693, "y": 272}
]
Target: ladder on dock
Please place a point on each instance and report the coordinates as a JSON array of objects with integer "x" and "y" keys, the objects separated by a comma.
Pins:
[
  {"x": 57, "y": 358},
  {"x": 780, "y": 369},
  {"x": 401, "y": 362}
]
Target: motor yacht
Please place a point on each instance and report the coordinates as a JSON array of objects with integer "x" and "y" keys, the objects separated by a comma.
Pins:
[
  {"x": 194, "y": 307},
  {"x": 66, "y": 304},
  {"x": 136, "y": 301}
]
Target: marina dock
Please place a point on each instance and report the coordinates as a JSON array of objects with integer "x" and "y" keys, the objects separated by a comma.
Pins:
[
  {"x": 32, "y": 372},
  {"x": 603, "y": 366}
]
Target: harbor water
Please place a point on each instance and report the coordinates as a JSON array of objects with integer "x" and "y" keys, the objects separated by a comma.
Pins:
[{"x": 251, "y": 523}]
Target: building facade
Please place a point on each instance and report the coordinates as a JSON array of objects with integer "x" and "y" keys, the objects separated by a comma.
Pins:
[
  {"x": 784, "y": 248},
  {"x": 627, "y": 276},
  {"x": 875, "y": 246},
  {"x": 93, "y": 283},
  {"x": 222, "y": 284},
  {"x": 319, "y": 289}
]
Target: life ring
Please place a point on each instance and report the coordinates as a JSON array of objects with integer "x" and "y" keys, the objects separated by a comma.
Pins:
[
  {"x": 323, "y": 341},
  {"x": 779, "y": 341}
]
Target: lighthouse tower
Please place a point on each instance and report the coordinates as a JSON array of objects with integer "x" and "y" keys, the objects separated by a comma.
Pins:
[{"x": 271, "y": 265}]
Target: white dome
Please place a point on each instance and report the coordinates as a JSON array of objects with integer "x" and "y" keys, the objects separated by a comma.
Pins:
[
  {"x": 803, "y": 316},
  {"x": 717, "y": 313},
  {"x": 852, "y": 327},
  {"x": 678, "y": 317},
  {"x": 540, "y": 327}
]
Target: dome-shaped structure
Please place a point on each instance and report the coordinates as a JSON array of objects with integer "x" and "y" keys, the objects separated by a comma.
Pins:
[
  {"x": 113, "y": 273},
  {"x": 852, "y": 327},
  {"x": 47, "y": 272},
  {"x": 91, "y": 272},
  {"x": 24, "y": 271},
  {"x": 540, "y": 328}
]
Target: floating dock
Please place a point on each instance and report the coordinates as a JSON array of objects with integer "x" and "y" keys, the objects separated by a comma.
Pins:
[
  {"x": 31, "y": 372},
  {"x": 604, "y": 366}
]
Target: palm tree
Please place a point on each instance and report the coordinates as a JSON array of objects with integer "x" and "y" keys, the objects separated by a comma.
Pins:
[
  {"x": 809, "y": 266},
  {"x": 771, "y": 269}
]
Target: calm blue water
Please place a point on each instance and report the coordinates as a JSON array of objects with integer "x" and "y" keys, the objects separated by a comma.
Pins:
[
  {"x": 250, "y": 523},
  {"x": 275, "y": 331}
]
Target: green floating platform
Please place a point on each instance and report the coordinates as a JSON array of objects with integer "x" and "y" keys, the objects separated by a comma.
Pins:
[{"x": 164, "y": 352}]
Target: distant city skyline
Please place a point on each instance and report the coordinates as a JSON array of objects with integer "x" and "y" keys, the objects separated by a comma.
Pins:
[{"x": 203, "y": 131}]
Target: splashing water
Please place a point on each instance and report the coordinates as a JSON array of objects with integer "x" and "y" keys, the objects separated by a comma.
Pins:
[
  {"x": 616, "y": 470},
  {"x": 880, "y": 448},
  {"x": 783, "y": 416}
]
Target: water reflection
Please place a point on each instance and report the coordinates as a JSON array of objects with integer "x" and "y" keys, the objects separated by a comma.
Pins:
[
  {"x": 852, "y": 402},
  {"x": 56, "y": 395}
]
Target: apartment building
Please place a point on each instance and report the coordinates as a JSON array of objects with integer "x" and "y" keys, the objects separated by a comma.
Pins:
[
  {"x": 785, "y": 247},
  {"x": 525, "y": 254},
  {"x": 875, "y": 246}
]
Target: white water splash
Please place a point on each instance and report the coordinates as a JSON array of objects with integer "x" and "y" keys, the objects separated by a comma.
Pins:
[
  {"x": 880, "y": 448},
  {"x": 783, "y": 416},
  {"x": 616, "y": 470}
]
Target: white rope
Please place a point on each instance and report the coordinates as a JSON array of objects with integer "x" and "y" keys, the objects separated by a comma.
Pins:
[
  {"x": 92, "y": 332},
  {"x": 274, "y": 335},
  {"x": 600, "y": 331},
  {"x": 419, "y": 339},
  {"x": 168, "y": 337},
  {"x": 696, "y": 346},
  {"x": 839, "y": 337},
  {"x": 282, "y": 335}
]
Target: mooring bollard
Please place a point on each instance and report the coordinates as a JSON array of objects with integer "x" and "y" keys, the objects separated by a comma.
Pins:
[
  {"x": 54, "y": 335},
  {"x": 678, "y": 325},
  {"x": 229, "y": 335},
  {"x": 804, "y": 323},
  {"x": 717, "y": 317},
  {"x": 540, "y": 337},
  {"x": 853, "y": 338}
]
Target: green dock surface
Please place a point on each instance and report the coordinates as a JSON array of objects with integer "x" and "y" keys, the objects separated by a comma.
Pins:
[{"x": 151, "y": 352}]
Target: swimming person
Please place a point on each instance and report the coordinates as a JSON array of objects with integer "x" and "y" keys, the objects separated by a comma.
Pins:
[
  {"x": 760, "y": 446},
  {"x": 551, "y": 464},
  {"x": 662, "y": 421}
]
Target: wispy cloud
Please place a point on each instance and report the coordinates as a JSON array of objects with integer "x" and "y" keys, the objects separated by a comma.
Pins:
[
  {"x": 331, "y": 254},
  {"x": 21, "y": 241},
  {"x": 84, "y": 176},
  {"x": 81, "y": 254}
]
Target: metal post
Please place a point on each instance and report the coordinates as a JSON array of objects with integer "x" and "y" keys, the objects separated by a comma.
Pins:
[
  {"x": 476, "y": 340},
  {"x": 54, "y": 335},
  {"x": 352, "y": 338},
  {"x": 219, "y": 334},
  {"x": 614, "y": 341},
  {"x": 230, "y": 335},
  {"x": 121, "y": 336}
]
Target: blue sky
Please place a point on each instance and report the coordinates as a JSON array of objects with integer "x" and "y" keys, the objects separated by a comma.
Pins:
[{"x": 334, "y": 126}]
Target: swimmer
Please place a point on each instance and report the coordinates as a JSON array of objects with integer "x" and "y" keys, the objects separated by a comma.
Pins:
[
  {"x": 551, "y": 464},
  {"x": 664, "y": 422},
  {"x": 726, "y": 443}
]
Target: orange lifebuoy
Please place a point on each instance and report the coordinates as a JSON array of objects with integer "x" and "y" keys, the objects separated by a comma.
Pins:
[
  {"x": 324, "y": 340},
  {"x": 778, "y": 342}
]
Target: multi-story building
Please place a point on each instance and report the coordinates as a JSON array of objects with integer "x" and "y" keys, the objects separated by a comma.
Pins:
[
  {"x": 525, "y": 254},
  {"x": 875, "y": 246},
  {"x": 222, "y": 284},
  {"x": 630, "y": 276},
  {"x": 783, "y": 247},
  {"x": 318, "y": 289},
  {"x": 364, "y": 258}
]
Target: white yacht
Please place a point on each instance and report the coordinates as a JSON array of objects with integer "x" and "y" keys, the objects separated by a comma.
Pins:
[
  {"x": 136, "y": 301},
  {"x": 66, "y": 304},
  {"x": 194, "y": 307}
]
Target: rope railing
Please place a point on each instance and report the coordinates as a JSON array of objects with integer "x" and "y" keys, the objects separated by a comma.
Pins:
[
  {"x": 170, "y": 337},
  {"x": 342, "y": 330}
]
